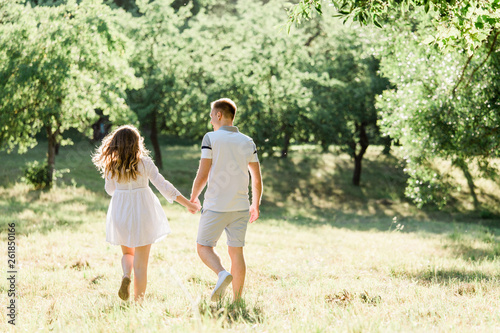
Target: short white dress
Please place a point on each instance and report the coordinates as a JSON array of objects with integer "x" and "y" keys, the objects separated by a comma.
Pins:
[{"x": 135, "y": 216}]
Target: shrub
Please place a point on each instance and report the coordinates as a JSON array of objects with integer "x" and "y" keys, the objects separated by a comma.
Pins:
[{"x": 37, "y": 175}]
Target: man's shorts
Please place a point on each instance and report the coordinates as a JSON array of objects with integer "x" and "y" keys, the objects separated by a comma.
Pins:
[{"x": 213, "y": 223}]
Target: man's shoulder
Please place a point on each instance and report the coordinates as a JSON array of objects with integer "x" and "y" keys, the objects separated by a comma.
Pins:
[
  {"x": 246, "y": 137},
  {"x": 227, "y": 135},
  {"x": 209, "y": 133}
]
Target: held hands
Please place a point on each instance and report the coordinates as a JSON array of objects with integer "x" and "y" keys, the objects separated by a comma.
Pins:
[{"x": 194, "y": 206}]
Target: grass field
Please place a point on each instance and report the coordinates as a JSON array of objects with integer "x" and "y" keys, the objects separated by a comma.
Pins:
[{"x": 324, "y": 257}]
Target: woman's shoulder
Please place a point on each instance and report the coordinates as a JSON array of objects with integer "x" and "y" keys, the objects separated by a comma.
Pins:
[{"x": 146, "y": 160}]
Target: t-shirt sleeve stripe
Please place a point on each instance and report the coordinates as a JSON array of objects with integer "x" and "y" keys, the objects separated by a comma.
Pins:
[{"x": 206, "y": 147}]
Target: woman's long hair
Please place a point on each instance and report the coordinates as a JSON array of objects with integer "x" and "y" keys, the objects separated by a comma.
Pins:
[{"x": 120, "y": 153}]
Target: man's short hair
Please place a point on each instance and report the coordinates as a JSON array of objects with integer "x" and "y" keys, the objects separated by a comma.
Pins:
[{"x": 225, "y": 106}]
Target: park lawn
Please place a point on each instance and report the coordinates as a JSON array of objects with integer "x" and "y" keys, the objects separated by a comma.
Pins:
[{"x": 358, "y": 265}]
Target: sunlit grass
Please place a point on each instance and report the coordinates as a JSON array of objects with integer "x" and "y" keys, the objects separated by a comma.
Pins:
[
  {"x": 298, "y": 278},
  {"x": 314, "y": 264}
]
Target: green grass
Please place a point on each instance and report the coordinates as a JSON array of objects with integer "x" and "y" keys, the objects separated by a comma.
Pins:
[{"x": 325, "y": 256}]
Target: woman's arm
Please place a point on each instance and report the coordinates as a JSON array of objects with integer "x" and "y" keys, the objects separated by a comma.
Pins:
[
  {"x": 164, "y": 186},
  {"x": 109, "y": 185},
  {"x": 192, "y": 207}
]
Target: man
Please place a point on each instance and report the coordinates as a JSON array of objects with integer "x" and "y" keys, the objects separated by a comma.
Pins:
[{"x": 226, "y": 157}]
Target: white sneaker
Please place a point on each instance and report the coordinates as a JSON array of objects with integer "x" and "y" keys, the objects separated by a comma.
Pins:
[{"x": 225, "y": 279}]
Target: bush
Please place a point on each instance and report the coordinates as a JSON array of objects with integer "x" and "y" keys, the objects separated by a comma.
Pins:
[{"x": 37, "y": 174}]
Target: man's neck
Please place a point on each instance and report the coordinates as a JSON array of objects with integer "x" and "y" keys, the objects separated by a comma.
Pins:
[{"x": 228, "y": 123}]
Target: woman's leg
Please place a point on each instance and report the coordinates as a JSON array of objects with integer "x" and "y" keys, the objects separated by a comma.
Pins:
[
  {"x": 127, "y": 260},
  {"x": 141, "y": 271},
  {"x": 127, "y": 263}
]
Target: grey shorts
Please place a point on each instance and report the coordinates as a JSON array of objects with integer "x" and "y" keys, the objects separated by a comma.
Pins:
[{"x": 213, "y": 223}]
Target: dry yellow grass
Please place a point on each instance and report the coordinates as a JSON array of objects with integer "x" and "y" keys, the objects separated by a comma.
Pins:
[
  {"x": 324, "y": 277},
  {"x": 346, "y": 267}
]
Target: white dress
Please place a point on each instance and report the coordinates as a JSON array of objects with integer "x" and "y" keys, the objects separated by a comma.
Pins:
[{"x": 135, "y": 216}]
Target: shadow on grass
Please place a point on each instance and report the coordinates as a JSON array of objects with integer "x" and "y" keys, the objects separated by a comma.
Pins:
[
  {"x": 322, "y": 182},
  {"x": 311, "y": 188},
  {"x": 451, "y": 276},
  {"x": 36, "y": 211},
  {"x": 48, "y": 210},
  {"x": 469, "y": 252}
]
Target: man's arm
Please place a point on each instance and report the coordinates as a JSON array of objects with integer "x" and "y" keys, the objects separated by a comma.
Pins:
[
  {"x": 201, "y": 179},
  {"x": 254, "y": 168}
]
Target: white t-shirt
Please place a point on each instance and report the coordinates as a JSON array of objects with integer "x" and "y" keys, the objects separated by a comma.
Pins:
[{"x": 228, "y": 180}]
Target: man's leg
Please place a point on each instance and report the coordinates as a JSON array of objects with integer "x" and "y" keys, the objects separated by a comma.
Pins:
[
  {"x": 210, "y": 258},
  {"x": 238, "y": 270}
]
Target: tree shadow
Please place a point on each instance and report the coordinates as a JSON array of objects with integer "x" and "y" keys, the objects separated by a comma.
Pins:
[
  {"x": 312, "y": 188},
  {"x": 321, "y": 181},
  {"x": 34, "y": 214},
  {"x": 450, "y": 276},
  {"x": 31, "y": 211},
  {"x": 471, "y": 253}
]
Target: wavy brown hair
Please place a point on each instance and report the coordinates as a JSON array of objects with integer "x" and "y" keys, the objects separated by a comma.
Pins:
[{"x": 120, "y": 153}]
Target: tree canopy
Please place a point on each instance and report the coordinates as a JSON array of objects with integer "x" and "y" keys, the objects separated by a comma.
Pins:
[
  {"x": 456, "y": 22},
  {"x": 58, "y": 65}
]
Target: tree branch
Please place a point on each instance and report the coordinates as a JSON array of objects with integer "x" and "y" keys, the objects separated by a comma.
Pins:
[
  {"x": 462, "y": 75},
  {"x": 484, "y": 61}
]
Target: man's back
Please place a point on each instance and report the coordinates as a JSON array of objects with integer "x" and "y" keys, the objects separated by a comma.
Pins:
[{"x": 230, "y": 151}]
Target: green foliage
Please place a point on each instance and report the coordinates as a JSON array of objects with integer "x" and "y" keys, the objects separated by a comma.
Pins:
[
  {"x": 432, "y": 116},
  {"x": 243, "y": 56},
  {"x": 347, "y": 82},
  {"x": 37, "y": 175},
  {"x": 58, "y": 64},
  {"x": 457, "y": 22}
]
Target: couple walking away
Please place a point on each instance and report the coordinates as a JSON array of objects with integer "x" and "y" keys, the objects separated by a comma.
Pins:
[{"x": 135, "y": 218}]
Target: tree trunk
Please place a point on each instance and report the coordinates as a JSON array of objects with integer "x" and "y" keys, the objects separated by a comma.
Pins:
[
  {"x": 51, "y": 154},
  {"x": 470, "y": 181},
  {"x": 286, "y": 145},
  {"x": 357, "y": 170},
  {"x": 358, "y": 157},
  {"x": 154, "y": 140},
  {"x": 387, "y": 145}
]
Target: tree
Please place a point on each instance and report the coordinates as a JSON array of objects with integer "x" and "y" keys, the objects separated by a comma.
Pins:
[
  {"x": 432, "y": 117},
  {"x": 258, "y": 66},
  {"x": 159, "y": 59},
  {"x": 345, "y": 80},
  {"x": 58, "y": 64},
  {"x": 457, "y": 22}
]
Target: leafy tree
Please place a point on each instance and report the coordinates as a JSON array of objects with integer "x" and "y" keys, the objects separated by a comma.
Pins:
[
  {"x": 58, "y": 64},
  {"x": 434, "y": 118},
  {"x": 457, "y": 22},
  {"x": 159, "y": 59},
  {"x": 258, "y": 66},
  {"x": 317, "y": 85},
  {"x": 344, "y": 79}
]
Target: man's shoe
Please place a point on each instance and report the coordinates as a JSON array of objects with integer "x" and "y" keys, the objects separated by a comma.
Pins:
[{"x": 225, "y": 279}]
